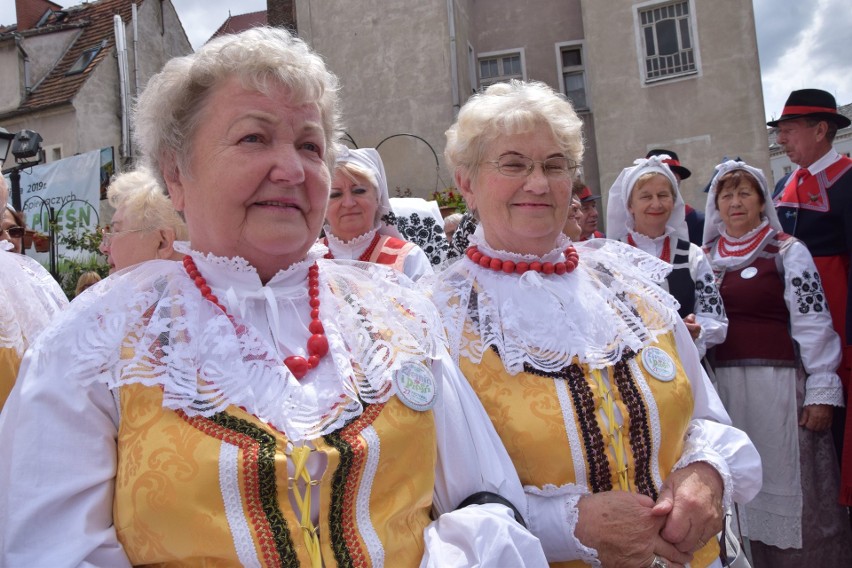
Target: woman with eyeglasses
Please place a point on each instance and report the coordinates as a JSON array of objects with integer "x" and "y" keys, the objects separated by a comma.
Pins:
[
  {"x": 583, "y": 365},
  {"x": 145, "y": 224},
  {"x": 255, "y": 404},
  {"x": 30, "y": 299},
  {"x": 12, "y": 229}
]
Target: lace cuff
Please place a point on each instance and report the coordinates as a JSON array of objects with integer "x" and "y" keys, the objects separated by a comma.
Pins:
[
  {"x": 832, "y": 396},
  {"x": 553, "y": 517},
  {"x": 694, "y": 452}
]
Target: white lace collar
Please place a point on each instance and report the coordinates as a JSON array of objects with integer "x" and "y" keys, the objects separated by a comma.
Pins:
[
  {"x": 151, "y": 325},
  {"x": 610, "y": 303},
  {"x": 555, "y": 255},
  {"x": 351, "y": 249},
  {"x": 654, "y": 245}
]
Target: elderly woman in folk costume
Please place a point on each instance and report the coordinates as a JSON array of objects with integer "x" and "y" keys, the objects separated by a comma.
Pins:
[
  {"x": 588, "y": 374},
  {"x": 255, "y": 404},
  {"x": 359, "y": 224},
  {"x": 30, "y": 299},
  {"x": 645, "y": 209},
  {"x": 776, "y": 373}
]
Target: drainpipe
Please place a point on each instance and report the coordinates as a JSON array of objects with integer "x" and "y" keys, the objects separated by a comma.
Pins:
[
  {"x": 135, "y": 53},
  {"x": 123, "y": 82},
  {"x": 19, "y": 43},
  {"x": 454, "y": 66}
]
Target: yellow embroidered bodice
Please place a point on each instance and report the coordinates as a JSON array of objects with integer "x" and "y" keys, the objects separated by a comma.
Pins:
[
  {"x": 556, "y": 426},
  {"x": 10, "y": 361},
  {"x": 193, "y": 491}
]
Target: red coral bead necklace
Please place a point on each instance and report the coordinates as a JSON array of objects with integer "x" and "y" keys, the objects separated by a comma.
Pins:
[
  {"x": 317, "y": 346},
  {"x": 728, "y": 248},
  {"x": 511, "y": 267}
]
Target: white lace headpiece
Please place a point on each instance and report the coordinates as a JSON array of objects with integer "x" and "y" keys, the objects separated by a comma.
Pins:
[
  {"x": 619, "y": 221},
  {"x": 713, "y": 225}
]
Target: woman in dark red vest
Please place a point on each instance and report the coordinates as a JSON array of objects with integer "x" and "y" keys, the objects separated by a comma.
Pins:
[{"x": 776, "y": 373}]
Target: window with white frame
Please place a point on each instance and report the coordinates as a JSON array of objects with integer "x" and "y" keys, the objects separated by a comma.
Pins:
[
  {"x": 500, "y": 67},
  {"x": 668, "y": 40},
  {"x": 573, "y": 75}
]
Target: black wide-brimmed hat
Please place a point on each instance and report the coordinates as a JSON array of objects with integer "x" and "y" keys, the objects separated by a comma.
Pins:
[
  {"x": 673, "y": 162},
  {"x": 812, "y": 103}
]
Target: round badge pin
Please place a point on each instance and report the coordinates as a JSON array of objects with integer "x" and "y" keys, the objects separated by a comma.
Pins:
[
  {"x": 749, "y": 272},
  {"x": 416, "y": 386},
  {"x": 659, "y": 364}
]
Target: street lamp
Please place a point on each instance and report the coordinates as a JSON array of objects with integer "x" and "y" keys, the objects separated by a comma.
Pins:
[{"x": 6, "y": 138}]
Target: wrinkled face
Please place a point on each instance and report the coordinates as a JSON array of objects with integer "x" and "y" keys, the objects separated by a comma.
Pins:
[
  {"x": 801, "y": 142},
  {"x": 128, "y": 242},
  {"x": 256, "y": 185},
  {"x": 352, "y": 207},
  {"x": 651, "y": 205},
  {"x": 522, "y": 214},
  {"x": 8, "y": 221},
  {"x": 573, "y": 226},
  {"x": 740, "y": 208},
  {"x": 590, "y": 217}
]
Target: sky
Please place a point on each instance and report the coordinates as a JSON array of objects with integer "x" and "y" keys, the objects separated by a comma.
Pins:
[{"x": 801, "y": 43}]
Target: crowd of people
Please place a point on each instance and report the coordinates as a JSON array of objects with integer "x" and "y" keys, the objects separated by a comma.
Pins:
[{"x": 274, "y": 375}]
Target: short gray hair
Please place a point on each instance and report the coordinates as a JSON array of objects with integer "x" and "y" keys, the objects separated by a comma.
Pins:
[
  {"x": 167, "y": 113},
  {"x": 145, "y": 202},
  {"x": 512, "y": 108}
]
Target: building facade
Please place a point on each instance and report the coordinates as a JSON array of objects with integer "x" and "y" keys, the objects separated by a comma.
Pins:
[
  {"x": 677, "y": 74},
  {"x": 61, "y": 70}
]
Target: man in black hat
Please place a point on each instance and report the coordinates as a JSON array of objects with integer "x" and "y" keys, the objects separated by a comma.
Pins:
[
  {"x": 694, "y": 218},
  {"x": 814, "y": 204},
  {"x": 589, "y": 205}
]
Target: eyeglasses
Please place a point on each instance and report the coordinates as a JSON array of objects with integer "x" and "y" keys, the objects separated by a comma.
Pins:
[
  {"x": 14, "y": 231},
  {"x": 107, "y": 235},
  {"x": 516, "y": 165}
]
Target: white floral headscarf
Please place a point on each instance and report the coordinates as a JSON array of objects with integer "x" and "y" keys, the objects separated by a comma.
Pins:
[{"x": 619, "y": 220}]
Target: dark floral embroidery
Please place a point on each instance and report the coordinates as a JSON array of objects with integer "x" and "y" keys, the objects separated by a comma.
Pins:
[
  {"x": 709, "y": 300},
  {"x": 808, "y": 292},
  {"x": 461, "y": 238},
  {"x": 426, "y": 234}
]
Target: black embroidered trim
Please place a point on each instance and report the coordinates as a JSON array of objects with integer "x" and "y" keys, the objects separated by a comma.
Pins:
[
  {"x": 809, "y": 293},
  {"x": 266, "y": 483},
  {"x": 600, "y": 476},
  {"x": 338, "y": 486},
  {"x": 640, "y": 433}
]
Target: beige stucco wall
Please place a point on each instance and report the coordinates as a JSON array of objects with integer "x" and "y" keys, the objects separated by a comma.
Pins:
[
  {"x": 392, "y": 58},
  {"x": 10, "y": 71},
  {"x": 537, "y": 27},
  {"x": 704, "y": 117}
]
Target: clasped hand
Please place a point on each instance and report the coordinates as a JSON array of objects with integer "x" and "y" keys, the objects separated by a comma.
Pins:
[{"x": 628, "y": 530}]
